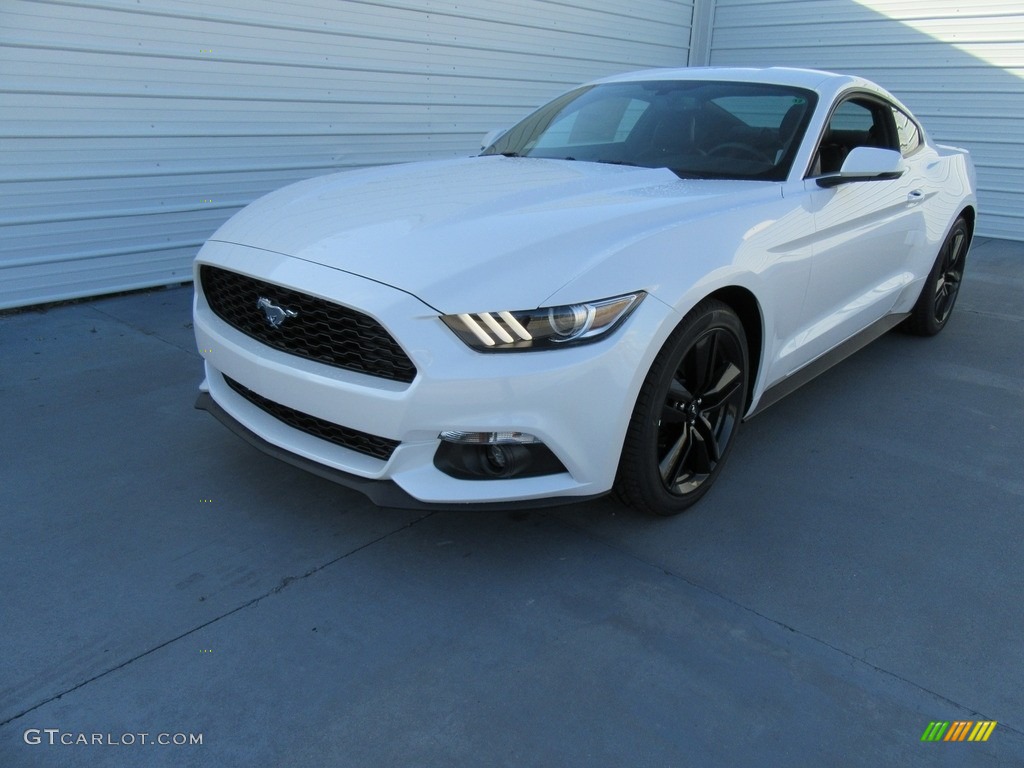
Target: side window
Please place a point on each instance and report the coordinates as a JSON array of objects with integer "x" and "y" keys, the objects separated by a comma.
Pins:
[
  {"x": 910, "y": 135},
  {"x": 851, "y": 116},
  {"x": 857, "y": 122}
]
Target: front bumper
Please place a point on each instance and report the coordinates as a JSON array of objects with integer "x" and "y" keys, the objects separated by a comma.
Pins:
[
  {"x": 383, "y": 493},
  {"x": 576, "y": 400}
]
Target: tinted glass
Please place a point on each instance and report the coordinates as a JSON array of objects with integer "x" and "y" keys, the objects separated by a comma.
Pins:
[
  {"x": 857, "y": 122},
  {"x": 910, "y": 136},
  {"x": 697, "y": 129}
]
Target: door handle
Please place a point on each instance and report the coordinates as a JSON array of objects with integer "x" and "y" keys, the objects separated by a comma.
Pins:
[{"x": 916, "y": 196}]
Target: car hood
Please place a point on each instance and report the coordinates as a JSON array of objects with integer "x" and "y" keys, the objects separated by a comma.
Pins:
[{"x": 477, "y": 234}]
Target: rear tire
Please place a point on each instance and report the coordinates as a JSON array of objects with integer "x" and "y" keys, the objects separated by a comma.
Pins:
[
  {"x": 687, "y": 413},
  {"x": 935, "y": 304}
]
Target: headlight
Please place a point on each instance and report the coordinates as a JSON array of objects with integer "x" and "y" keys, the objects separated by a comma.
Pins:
[{"x": 543, "y": 328}]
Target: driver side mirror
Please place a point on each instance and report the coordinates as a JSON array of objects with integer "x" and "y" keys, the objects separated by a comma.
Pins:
[{"x": 866, "y": 164}]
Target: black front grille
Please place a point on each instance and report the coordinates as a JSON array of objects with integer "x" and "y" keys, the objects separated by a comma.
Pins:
[
  {"x": 321, "y": 330},
  {"x": 371, "y": 445}
]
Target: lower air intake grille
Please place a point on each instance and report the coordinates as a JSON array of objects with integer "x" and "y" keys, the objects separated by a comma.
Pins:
[
  {"x": 318, "y": 330},
  {"x": 353, "y": 439}
]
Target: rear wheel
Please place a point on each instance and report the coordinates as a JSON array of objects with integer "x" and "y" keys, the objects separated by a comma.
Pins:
[
  {"x": 935, "y": 304},
  {"x": 687, "y": 414}
]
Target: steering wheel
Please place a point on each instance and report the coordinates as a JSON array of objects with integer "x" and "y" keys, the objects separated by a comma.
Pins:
[{"x": 739, "y": 151}]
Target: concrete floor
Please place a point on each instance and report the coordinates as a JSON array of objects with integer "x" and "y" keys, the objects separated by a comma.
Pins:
[{"x": 856, "y": 574}]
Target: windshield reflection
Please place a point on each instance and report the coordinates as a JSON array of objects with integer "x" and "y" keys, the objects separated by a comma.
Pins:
[{"x": 698, "y": 129}]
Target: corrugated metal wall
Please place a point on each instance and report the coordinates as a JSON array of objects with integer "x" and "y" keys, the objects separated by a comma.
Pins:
[
  {"x": 130, "y": 129},
  {"x": 958, "y": 64}
]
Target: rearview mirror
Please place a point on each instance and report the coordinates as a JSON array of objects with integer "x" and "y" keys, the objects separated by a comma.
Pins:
[{"x": 866, "y": 164}]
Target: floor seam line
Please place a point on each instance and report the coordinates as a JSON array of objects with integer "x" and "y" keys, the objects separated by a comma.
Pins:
[
  {"x": 284, "y": 584},
  {"x": 154, "y": 334},
  {"x": 675, "y": 575}
]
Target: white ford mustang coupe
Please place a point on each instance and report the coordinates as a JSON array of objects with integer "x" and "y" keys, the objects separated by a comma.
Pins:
[{"x": 595, "y": 302}]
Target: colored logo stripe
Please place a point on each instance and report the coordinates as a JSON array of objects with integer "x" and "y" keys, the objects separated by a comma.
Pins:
[
  {"x": 934, "y": 731},
  {"x": 958, "y": 730},
  {"x": 982, "y": 731}
]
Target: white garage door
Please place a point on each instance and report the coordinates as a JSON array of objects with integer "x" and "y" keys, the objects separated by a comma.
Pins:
[{"x": 130, "y": 130}]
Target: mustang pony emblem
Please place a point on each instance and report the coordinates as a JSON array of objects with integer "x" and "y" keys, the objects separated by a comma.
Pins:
[{"x": 275, "y": 315}]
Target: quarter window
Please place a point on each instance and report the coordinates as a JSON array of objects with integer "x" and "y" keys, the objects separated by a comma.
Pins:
[{"x": 910, "y": 135}]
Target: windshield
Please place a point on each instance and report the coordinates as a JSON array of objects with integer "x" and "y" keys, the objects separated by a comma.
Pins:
[{"x": 698, "y": 129}]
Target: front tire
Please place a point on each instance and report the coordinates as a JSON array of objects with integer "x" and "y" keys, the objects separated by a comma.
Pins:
[
  {"x": 935, "y": 304},
  {"x": 687, "y": 413}
]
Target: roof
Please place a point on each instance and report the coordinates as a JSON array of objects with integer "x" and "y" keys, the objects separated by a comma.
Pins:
[{"x": 805, "y": 78}]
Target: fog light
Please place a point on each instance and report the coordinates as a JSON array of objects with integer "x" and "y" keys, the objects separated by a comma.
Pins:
[
  {"x": 494, "y": 455},
  {"x": 506, "y": 460},
  {"x": 498, "y": 458}
]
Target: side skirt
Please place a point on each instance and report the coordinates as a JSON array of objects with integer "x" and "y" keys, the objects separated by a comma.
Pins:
[{"x": 819, "y": 365}]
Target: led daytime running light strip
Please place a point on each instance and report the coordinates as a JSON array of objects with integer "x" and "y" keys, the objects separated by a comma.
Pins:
[{"x": 488, "y": 319}]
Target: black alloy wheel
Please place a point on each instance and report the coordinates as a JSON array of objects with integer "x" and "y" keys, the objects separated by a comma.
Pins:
[
  {"x": 687, "y": 414},
  {"x": 935, "y": 304}
]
